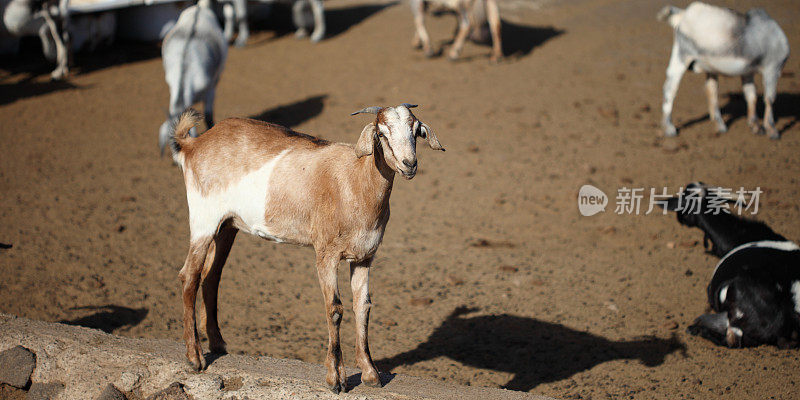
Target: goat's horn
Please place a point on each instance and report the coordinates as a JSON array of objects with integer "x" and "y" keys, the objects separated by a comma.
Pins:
[
  {"x": 407, "y": 105},
  {"x": 368, "y": 110}
]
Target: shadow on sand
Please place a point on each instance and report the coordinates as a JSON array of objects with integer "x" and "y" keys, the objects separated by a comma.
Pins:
[
  {"x": 535, "y": 352},
  {"x": 108, "y": 318},
  {"x": 293, "y": 114},
  {"x": 786, "y": 110}
]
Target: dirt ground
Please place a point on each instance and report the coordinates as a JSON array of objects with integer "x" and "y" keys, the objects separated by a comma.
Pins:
[{"x": 487, "y": 275}]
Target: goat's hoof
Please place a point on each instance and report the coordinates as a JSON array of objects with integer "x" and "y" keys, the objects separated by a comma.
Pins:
[
  {"x": 301, "y": 33},
  {"x": 317, "y": 37},
  {"x": 218, "y": 349},
  {"x": 670, "y": 132},
  {"x": 336, "y": 388},
  {"x": 775, "y": 136},
  {"x": 722, "y": 129},
  {"x": 375, "y": 382},
  {"x": 430, "y": 53},
  {"x": 196, "y": 365},
  {"x": 240, "y": 43},
  {"x": 757, "y": 130}
]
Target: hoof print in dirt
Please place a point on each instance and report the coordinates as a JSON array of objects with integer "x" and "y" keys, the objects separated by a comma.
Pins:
[{"x": 16, "y": 366}]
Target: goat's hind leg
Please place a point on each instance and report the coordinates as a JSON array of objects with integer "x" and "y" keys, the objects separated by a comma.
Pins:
[
  {"x": 327, "y": 266},
  {"x": 770, "y": 78},
  {"x": 712, "y": 91},
  {"x": 493, "y": 15},
  {"x": 190, "y": 278},
  {"x": 750, "y": 96},
  {"x": 359, "y": 284},
  {"x": 464, "y": 27},
  {"x": 212, "y": 271},
  {"x": 421, "y": 38}
]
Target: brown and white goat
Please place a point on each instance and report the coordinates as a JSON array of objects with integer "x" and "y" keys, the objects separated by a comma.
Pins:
[{"x": 285, "y": 186}]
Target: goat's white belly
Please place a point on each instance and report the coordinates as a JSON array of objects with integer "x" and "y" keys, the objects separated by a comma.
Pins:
[
  {"x": 246, "y": 199},
  {"x": 725, "y": 65}
]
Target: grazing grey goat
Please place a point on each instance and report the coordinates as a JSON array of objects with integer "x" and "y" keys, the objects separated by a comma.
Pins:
[
  {"x": 46, "y": 20},
  {"x": 193, "y": 52},
  {"x": 720, "y": 41},
  {"x": 305, "y": 15},
  {"x": 472, "y": 15}
]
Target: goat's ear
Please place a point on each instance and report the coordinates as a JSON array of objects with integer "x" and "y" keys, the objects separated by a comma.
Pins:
[
  {"x": 426, "y": 133},
  {"x": 366, "y": 141}
]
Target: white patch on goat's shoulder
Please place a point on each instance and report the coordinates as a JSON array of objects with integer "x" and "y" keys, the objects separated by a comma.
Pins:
[
  {"x": 796, "y": 295},
  {"x": 246, "y": 198},
  {"x": 723, "y": 294},
  {"x": 736, "y": 331},
  {"x": 784, "y": 245}
]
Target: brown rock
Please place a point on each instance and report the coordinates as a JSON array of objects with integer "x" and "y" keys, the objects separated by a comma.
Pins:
[
  {"x": 172, "y": 392},
  {"x": 16, "y": 366},
  {"x": 110, "y": 393},
  {"x": 44, "y": 391}
]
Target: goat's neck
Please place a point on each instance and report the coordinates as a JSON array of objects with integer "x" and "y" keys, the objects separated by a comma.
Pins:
[
  {"x": 727, "y": 231},
  {"x": 378, "y": 178}
]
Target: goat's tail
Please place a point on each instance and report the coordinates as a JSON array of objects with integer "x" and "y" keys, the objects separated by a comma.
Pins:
[
  {"x": 181, "y": 133},
  {"x": 670, "y": 14}
]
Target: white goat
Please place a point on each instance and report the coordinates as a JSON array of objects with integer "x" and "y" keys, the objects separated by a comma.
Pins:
[
  {"x": 720, "y": 41},
  {"x": 49, "y": 22},
  {"x": 193, "y": 52},
  {"x": 472, "y": 14},
  {"x": 285, "y": 186},
  {"x": 305, "y": 15}
]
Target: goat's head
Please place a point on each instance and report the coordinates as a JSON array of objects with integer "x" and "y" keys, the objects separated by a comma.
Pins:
[
  {"x": 757, "y": 312},
  {"x": 694, "y": 201},
  {"x": 395, "y": 130}
]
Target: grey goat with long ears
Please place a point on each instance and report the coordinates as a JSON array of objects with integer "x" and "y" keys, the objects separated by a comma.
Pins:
[{"x": 719, "y": 41}]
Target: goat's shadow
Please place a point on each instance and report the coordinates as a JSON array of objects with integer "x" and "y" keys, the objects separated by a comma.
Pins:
[
  {"x": 337, "y": 20},
  {"x": 28, "y": 87},
  {"x": 534, "y": 351},
  {"x": 108, "y": 318},
  {"x": 31, "y": 61},
  {"x": 786, "y": 110},
  {"x": 518, "y": 40},
  {"x": 293, "y": 114}
]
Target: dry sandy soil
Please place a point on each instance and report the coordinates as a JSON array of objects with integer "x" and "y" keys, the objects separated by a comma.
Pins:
[{"x": 487, "y": 275}]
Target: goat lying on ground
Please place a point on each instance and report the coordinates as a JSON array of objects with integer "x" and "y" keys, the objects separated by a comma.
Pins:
[
  {"x": 49, "y": 22},
  {"x": 285, "y": 186},
  {"x": 306, "y": 14},
  {"x": 193, "y": 52},
  {"x": 472, "y": 15},
  {"x": 719, "y": 41},
  {"x": 755, "y": 287}
]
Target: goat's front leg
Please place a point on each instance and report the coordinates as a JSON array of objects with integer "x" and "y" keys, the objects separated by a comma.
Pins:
[
  {"x": 212, "y": 271},
  {"x": 712, "y": 89},
  {"x": 208, "y": 106},
  {"x": 421, "y": 38},
  {"x": 493, "y": 15},
  {"x": 190, "y": 277},
  {"x": 359, "y": 284},
  {"x": 750, "y": 96},
  {"x": 327, "y": 266},
  {"x": 675, "y": 71}
]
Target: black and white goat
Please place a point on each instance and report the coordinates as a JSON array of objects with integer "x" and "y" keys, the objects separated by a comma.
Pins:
[{"x": 755, "y": 287}]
